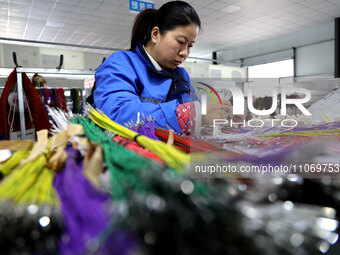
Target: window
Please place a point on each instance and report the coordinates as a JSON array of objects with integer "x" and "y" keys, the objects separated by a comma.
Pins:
[{"x": 278, "y": 69}]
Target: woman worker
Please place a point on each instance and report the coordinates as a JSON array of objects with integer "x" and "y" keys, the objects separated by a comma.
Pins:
[{"x": 146, "y": 78}]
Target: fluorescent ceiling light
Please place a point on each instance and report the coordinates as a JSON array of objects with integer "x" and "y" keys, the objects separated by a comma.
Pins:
[
  {"x": 231, "y": 9},
  {"x": 54, "y": 24}
]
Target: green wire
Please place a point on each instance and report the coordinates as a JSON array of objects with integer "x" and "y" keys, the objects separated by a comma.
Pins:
[
  {"x": 208, "y": 94},
  {"x": 124, "y": 165}
]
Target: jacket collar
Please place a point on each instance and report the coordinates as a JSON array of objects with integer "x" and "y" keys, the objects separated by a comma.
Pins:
[
  {"x": 153, "y": 61},
  {"x": 144, "y": 56}
]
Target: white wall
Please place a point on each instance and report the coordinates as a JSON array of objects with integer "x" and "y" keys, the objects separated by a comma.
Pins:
[
  {"x": 27, "y": 56},
  {"x": 49, "y": 58},
  {"x": 231, "y": 72},
  {"x": 43, "y": 57},
  {"x": 276, "y": 49},
  {"x": 1, "y": 56},
  {"x": 93, "y": 60},
  {"x": 317, "y": 59},
  {"x": 198, "y": 70}
]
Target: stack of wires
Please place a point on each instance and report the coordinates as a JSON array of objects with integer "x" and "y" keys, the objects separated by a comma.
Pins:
[
  {"x": 125, "y": 166},
  {"x": 319, "y": 130},
  {"x": 59, "y": 100},
  {"x": 150, "y": 200},
  {"x": 84, "y": 210},
  {"x": 7, "y": 167},
  {"x": 76, "y": 97},
  {"x": 274, "y": 142},
  {"x": 29, "y": 208},
  {"x": 180, "y": 142},
  {"x": 171, "y": 156},
  {"x": 169, "y": 200},
  {"x": 323, "y": 129},
  {"x": 135, "y": 147},
  {"x": 145, "y": 127},
  {"x": 59, "y": 119},
  {"x": 188, "y": 144},
  {"x": 30, "y": 184}
]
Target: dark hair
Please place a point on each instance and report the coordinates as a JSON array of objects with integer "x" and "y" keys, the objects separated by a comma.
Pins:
[
  {"x": 171, "y": 15},
  {"x": 38, "y": 80}
]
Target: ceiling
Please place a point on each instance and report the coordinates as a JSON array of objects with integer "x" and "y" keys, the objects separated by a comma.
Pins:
[{"x": 107, "y": 23}]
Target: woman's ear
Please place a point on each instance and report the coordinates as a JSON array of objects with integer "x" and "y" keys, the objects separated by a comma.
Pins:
[{"x": 155, "y": 35}]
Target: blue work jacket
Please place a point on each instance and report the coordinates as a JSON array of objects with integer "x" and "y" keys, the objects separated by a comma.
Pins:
[{"x": 128, "y": 83}]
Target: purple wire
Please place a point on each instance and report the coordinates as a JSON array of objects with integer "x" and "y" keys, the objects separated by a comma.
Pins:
[
  {"x": 84, "y": 210},
  {"x": 146, "y": 128}
]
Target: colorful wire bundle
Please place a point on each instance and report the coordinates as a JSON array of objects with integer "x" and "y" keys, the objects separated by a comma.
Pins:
[
  {"x": 125, "y": 166},
  {"x": 76, "y": 98},
  {"x": 157, "y": 199},
  {"x": 135, "y": 147},
  {"x": 311, "y": 133},
  {"x": 12, "y": 162},
  {"x": 30, "y": 184},
  {"x": 168, "y": 212},
  {"x": 29, "y": 208},
  {"x": 187, "y": 144},
  {"x": 84, "y": 208},
  {"x": 53, "y": 97},
  {"x": 171, "y": 156},
  {"x": 145, "y": 127}
]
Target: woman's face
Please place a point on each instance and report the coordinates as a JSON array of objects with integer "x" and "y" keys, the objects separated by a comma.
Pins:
[{"x": 173, "y": 47}]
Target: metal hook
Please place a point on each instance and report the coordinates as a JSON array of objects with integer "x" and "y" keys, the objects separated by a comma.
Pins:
[
  {"x": 61, "y": 61},
  {"x": 15, "y": 59}
]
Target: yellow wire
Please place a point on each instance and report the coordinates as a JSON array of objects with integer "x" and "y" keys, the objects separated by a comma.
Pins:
[
  {"x": 170, "y": 154},
  {"x": 321, "y": 132},
  {"x": 326, "y": 117},
  {"x": 30, "y": 183},
  {"x": 11, "y": 163}
]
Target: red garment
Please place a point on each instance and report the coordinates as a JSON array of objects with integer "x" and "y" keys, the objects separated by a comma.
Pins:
[
  {"x": 38, "y": 112},
  {"x": 62, "y": 99}
]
